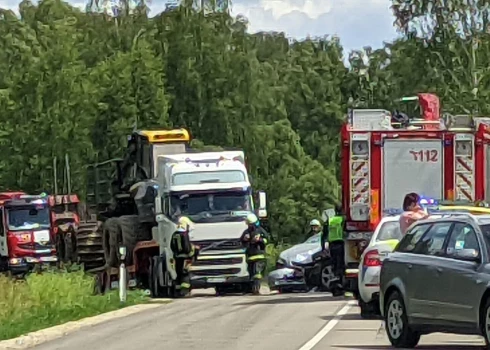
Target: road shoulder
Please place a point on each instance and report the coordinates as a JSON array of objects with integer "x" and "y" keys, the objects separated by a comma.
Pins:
[{"x": 42, "y": 336}]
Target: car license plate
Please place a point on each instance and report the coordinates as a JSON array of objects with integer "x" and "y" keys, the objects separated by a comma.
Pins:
[
  {"x": 216, "y": 280},
  {"x": 114, "y": 284},
  {"x": 132, "y": 283}
]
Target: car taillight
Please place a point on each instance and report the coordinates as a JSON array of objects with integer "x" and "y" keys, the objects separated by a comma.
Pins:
[{"x": 372, "y": 258}]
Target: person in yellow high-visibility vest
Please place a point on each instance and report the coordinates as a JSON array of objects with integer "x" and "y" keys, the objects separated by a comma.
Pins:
[{"x": 334, "y": 234}]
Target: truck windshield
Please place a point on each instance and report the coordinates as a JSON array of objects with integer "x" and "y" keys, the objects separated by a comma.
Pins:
[
  {"x": 212, "y": 207},
  {"x": 194, "y": 178},
  {"x": 28, "y": 218}
]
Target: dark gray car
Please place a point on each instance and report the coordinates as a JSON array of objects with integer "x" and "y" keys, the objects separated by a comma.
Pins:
[{"x": 438, "y": 280}]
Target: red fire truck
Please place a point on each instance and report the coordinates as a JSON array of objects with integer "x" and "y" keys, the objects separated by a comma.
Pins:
[
  {"x": 25, "y": 232},
  {"x": 65, "y": 221},
  {"x": 384, "y": 159}
]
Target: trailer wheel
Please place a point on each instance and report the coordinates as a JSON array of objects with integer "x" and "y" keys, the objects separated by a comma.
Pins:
[
  {"x": 111, "y": 234},
  {"x": 132, "y": 232},
  {"x": 151, "y": 281},
  {"x": 88, "y": 245},
  {"x": 60, "y": 247},
  {"x": 256, "y": 287},
  {"x": 69, "y": 244},
  {"x": 99, "y": 283}
]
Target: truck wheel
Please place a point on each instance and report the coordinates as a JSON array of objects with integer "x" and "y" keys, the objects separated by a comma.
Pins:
[
  {"x": 69, "y": 244},
  {"x": 256, "y": 287},
  {"x": 220, "y": 291},
  {"x": 111, "y": 233},
  {"x": 60, "y": 247},
  {"x": 156, "y": 290},
  {"x": 151, "y": 281},
  {"x": 99, "y": 283},
  {"x": 132, "y": 232},
  {"x": 88, "y": 245}
]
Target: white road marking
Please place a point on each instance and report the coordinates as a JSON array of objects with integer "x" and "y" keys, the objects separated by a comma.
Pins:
[{"x": 328, "y": 327}]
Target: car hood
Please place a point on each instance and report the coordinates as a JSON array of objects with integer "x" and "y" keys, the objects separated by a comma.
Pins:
[
  {"x": 219, "y": 230},
  {"x": 305, "y": 249}
]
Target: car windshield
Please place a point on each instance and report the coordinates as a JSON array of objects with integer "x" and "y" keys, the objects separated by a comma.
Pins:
[
  {"x": 212, "y": 207},
  {"x": 389, "y": 230},
  {"x": 28, "y": 218}
]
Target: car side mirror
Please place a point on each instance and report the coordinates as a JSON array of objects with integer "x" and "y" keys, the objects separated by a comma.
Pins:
[{"x": 467, "y": 255}]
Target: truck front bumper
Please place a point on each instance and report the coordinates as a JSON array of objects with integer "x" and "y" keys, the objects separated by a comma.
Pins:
[
  {"x": 214, "y": 270},
  {"x": 21, "y": 266},
  {"x": 212, "y": 282}
]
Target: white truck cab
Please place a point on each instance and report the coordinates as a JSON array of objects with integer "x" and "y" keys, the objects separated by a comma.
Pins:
[{"x": 213, "y": 190}]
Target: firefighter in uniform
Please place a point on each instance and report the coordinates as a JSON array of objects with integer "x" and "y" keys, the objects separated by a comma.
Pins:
[
  {"x": 334, "y": 234},
  {"x": 184, "y": 252},
  {"x": 254, "y": 239}
]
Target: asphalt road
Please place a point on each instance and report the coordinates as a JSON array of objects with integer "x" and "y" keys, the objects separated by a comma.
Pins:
[{"x": 287, "y": 322}]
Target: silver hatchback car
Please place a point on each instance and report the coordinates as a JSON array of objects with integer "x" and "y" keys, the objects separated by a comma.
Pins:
[{"x": 438, "y": 280}]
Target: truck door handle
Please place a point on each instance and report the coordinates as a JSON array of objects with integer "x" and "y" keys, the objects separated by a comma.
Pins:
[
  {"x": 409, "y": 266},
  {"x": 439, "y": 270}
]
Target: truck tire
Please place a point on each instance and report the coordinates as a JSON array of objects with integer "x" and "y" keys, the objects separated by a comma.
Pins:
[
  {"x": 111, "y": 234},
  {"x": 129, "y": 231},
  {"x": 132, "y": 232},
  {"x": 88, "y": 248},
  {"x": 156, "y": 290}
]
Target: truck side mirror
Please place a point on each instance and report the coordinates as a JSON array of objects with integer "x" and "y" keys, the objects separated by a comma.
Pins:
[{"x": 262, "y": 205}]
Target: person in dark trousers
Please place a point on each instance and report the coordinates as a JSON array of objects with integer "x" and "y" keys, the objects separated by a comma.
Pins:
[
  {"x": 333, "y": 233},
  {"x": 184, "y": 251},
  {"x": 254, "y": 239}
]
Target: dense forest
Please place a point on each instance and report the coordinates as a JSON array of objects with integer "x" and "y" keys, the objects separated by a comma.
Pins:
[{"x": 78, "y": 82}]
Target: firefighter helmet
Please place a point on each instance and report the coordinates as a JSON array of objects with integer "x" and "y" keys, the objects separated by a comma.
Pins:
[
  {"x": 315, "y": 222},
  {"x": 252, "y": 219},
  {"x": 184, "y": 221}
]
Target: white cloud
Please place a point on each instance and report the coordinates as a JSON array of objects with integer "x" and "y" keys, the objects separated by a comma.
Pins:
[{"x": 358, "y": 23}]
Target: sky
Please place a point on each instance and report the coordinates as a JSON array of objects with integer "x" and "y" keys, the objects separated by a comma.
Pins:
[{"x": 358, "y": 23}]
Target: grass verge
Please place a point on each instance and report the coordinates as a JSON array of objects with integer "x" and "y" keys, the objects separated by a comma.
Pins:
[{"x": 53, "y": 298}]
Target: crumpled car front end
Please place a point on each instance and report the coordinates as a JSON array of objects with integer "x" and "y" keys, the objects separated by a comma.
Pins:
[{"x": 288, "y": 275}]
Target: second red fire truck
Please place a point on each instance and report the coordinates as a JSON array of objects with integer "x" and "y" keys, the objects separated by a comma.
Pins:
[
  {"x": 25, "y": 233},
  {"x": 386, "y": 155}
]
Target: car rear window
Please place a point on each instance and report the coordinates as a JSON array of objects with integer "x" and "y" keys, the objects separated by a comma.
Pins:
[{"x": 389, "y": 230}]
